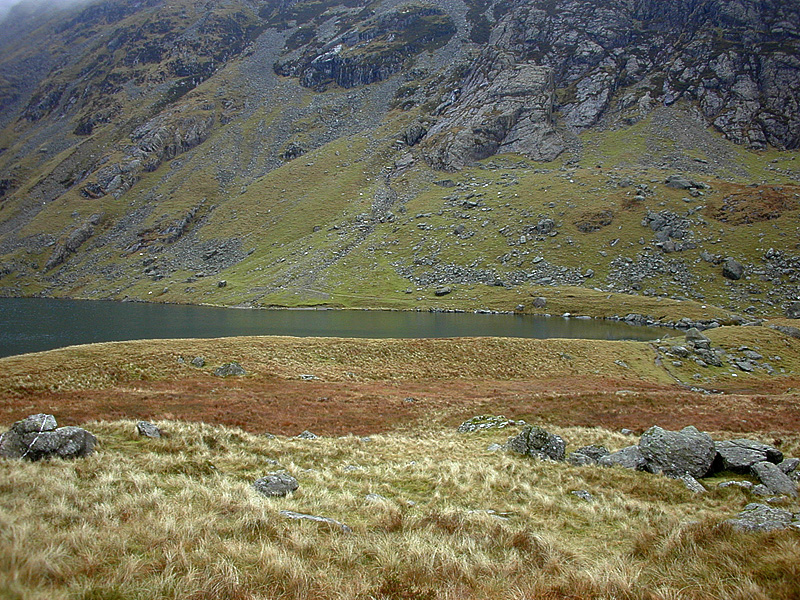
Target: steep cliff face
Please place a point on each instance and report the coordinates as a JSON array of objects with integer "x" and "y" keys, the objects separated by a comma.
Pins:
[
  {"x": 738, "y": 61},
  {"x": 371, "y": 51}
]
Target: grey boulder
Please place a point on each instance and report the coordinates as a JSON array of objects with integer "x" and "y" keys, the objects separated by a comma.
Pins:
[
  {"x": 774, "y": 479},
  {"x": 230, "y": 369},
  {"x": 36, "y": 437},
  {"x": 147, "y": 429},
  {"x": 739, "y": 455},
  {"x": 760, "y": 517},
  {"x": 732, "y": 269},
  {"x": 536, "y": 442},
  {"x": 276, "y": 484},
  {"x": 587, "y": 455},
  {"x": 677, "y": 453},
  {"x": 629, "y": 458}
]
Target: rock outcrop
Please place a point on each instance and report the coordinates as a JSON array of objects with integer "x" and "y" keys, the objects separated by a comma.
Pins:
[
  {"x": 503, "y": 106},
  {"x": 678, "y": 453},
  {"x": 538, "y": 443},
  {"x": 740, "y": 454},
  {"x": 37, "y": 437},
  {"x": 760, "y": 517},
  {"x": 370, "y": 52}
]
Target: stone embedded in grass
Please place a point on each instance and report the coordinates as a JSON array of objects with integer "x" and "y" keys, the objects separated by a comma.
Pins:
[
  {"x": 629, "y": 458},
  {"x": 741, "y": 454},
  {"x": 230, "y": 369},
  {"x": 483, "y": 422},
  {"x": 693, "y": 485},
  {"x": 536, "y": 442},
  {"x": 37, "y": 437},
  {"x": 587, "y": 455},
  {"x": 676, "y": 453},
  {"x": 276, "y": 485},
  {"x": 306, "y": 435},
  {"x": 776, "y": 480},
  {"x": 198, "y": 361},
  {"x": 147, "y": 429},
  {"x": 760, "y": 517},
  {"x": 300, "y": 516},
  {"x": 583, "y": 495},
  {"x": 443, "y": 291}
]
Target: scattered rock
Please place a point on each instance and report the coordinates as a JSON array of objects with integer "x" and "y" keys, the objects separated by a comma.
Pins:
[
  {"x": 36, "y": 437},
  {"x": 147, "y": 429},
  {"x": 745, "y": 485},
  {"x": 677, "y": 453},
  {"x": 587, "y": 455},
  {"x": 443, "y": 291},
  {"x": 629, "y": 458},
  {"x": 484, "y": 422},
  {"x": 230, "y": 369},
  {"x": 739, "y": 455},
  {"x": 732, "y": 269},
  {"x": 539, "y": 302},
  {"x": 760, "y": 517},
  {"x": 583, "y": 495},
  {"x": 306, "y": 435},
  {"x": 536, "y": 442},
  {"x": 693, "y": 485},
  {"x": 278, "y": 484},
  {"x": 776, "y": 480},
  {"x": 300, "y": 516},
  {"x": 198, "y": 361},
  {"x": 793, "y": 310}
]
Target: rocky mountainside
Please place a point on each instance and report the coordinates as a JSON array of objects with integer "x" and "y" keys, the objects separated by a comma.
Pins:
[{"x": 371, "y": 153}]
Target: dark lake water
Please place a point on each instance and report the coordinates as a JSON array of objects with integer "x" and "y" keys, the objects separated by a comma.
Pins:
[{"x": 36, "y": 324}]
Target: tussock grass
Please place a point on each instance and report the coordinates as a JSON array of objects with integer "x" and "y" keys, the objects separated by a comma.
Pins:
[{"x": 177, "y": 518}]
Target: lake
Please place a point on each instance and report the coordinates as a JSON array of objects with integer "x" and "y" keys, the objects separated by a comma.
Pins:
[{"x": 36, "y": 324}]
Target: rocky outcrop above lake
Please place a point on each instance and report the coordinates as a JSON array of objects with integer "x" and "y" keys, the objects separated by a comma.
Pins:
[{"x": 504, "y": 106}]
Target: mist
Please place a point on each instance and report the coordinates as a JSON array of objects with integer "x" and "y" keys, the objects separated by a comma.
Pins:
[{"x": 6, "y": 6}]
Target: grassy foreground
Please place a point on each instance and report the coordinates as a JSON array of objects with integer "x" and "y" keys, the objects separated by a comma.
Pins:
[
  {"x": 177, "y": 518},
  {"x": 434, "y": 514}
]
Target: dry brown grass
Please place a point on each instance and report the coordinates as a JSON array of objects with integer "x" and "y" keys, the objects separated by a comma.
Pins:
[
  {"x": 365, "y": 386},
  {"x": 176, "y": 518}
]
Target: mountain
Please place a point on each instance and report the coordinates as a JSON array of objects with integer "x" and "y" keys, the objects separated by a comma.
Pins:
[{"x": 412, "y": 154}]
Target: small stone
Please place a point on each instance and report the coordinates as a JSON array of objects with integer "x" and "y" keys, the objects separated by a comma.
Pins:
[
  {"x": 198, "y": 361},
  {"x": 693, "y": 485},
  {"x": 147, "y": 429},
  {"x": 230, "y": 369},
  {"x": 745, "y": 485},
  {"x": 306, "y": 435},
  {"x": 583, "y": 495},
  {"x": 277, "y": 484},
  {"x": 300, "y": 516},
  {"x": 443, "y": 291}
]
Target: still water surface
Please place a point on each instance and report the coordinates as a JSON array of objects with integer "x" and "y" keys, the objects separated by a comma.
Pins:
[{"x": 35, "y": 324}]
